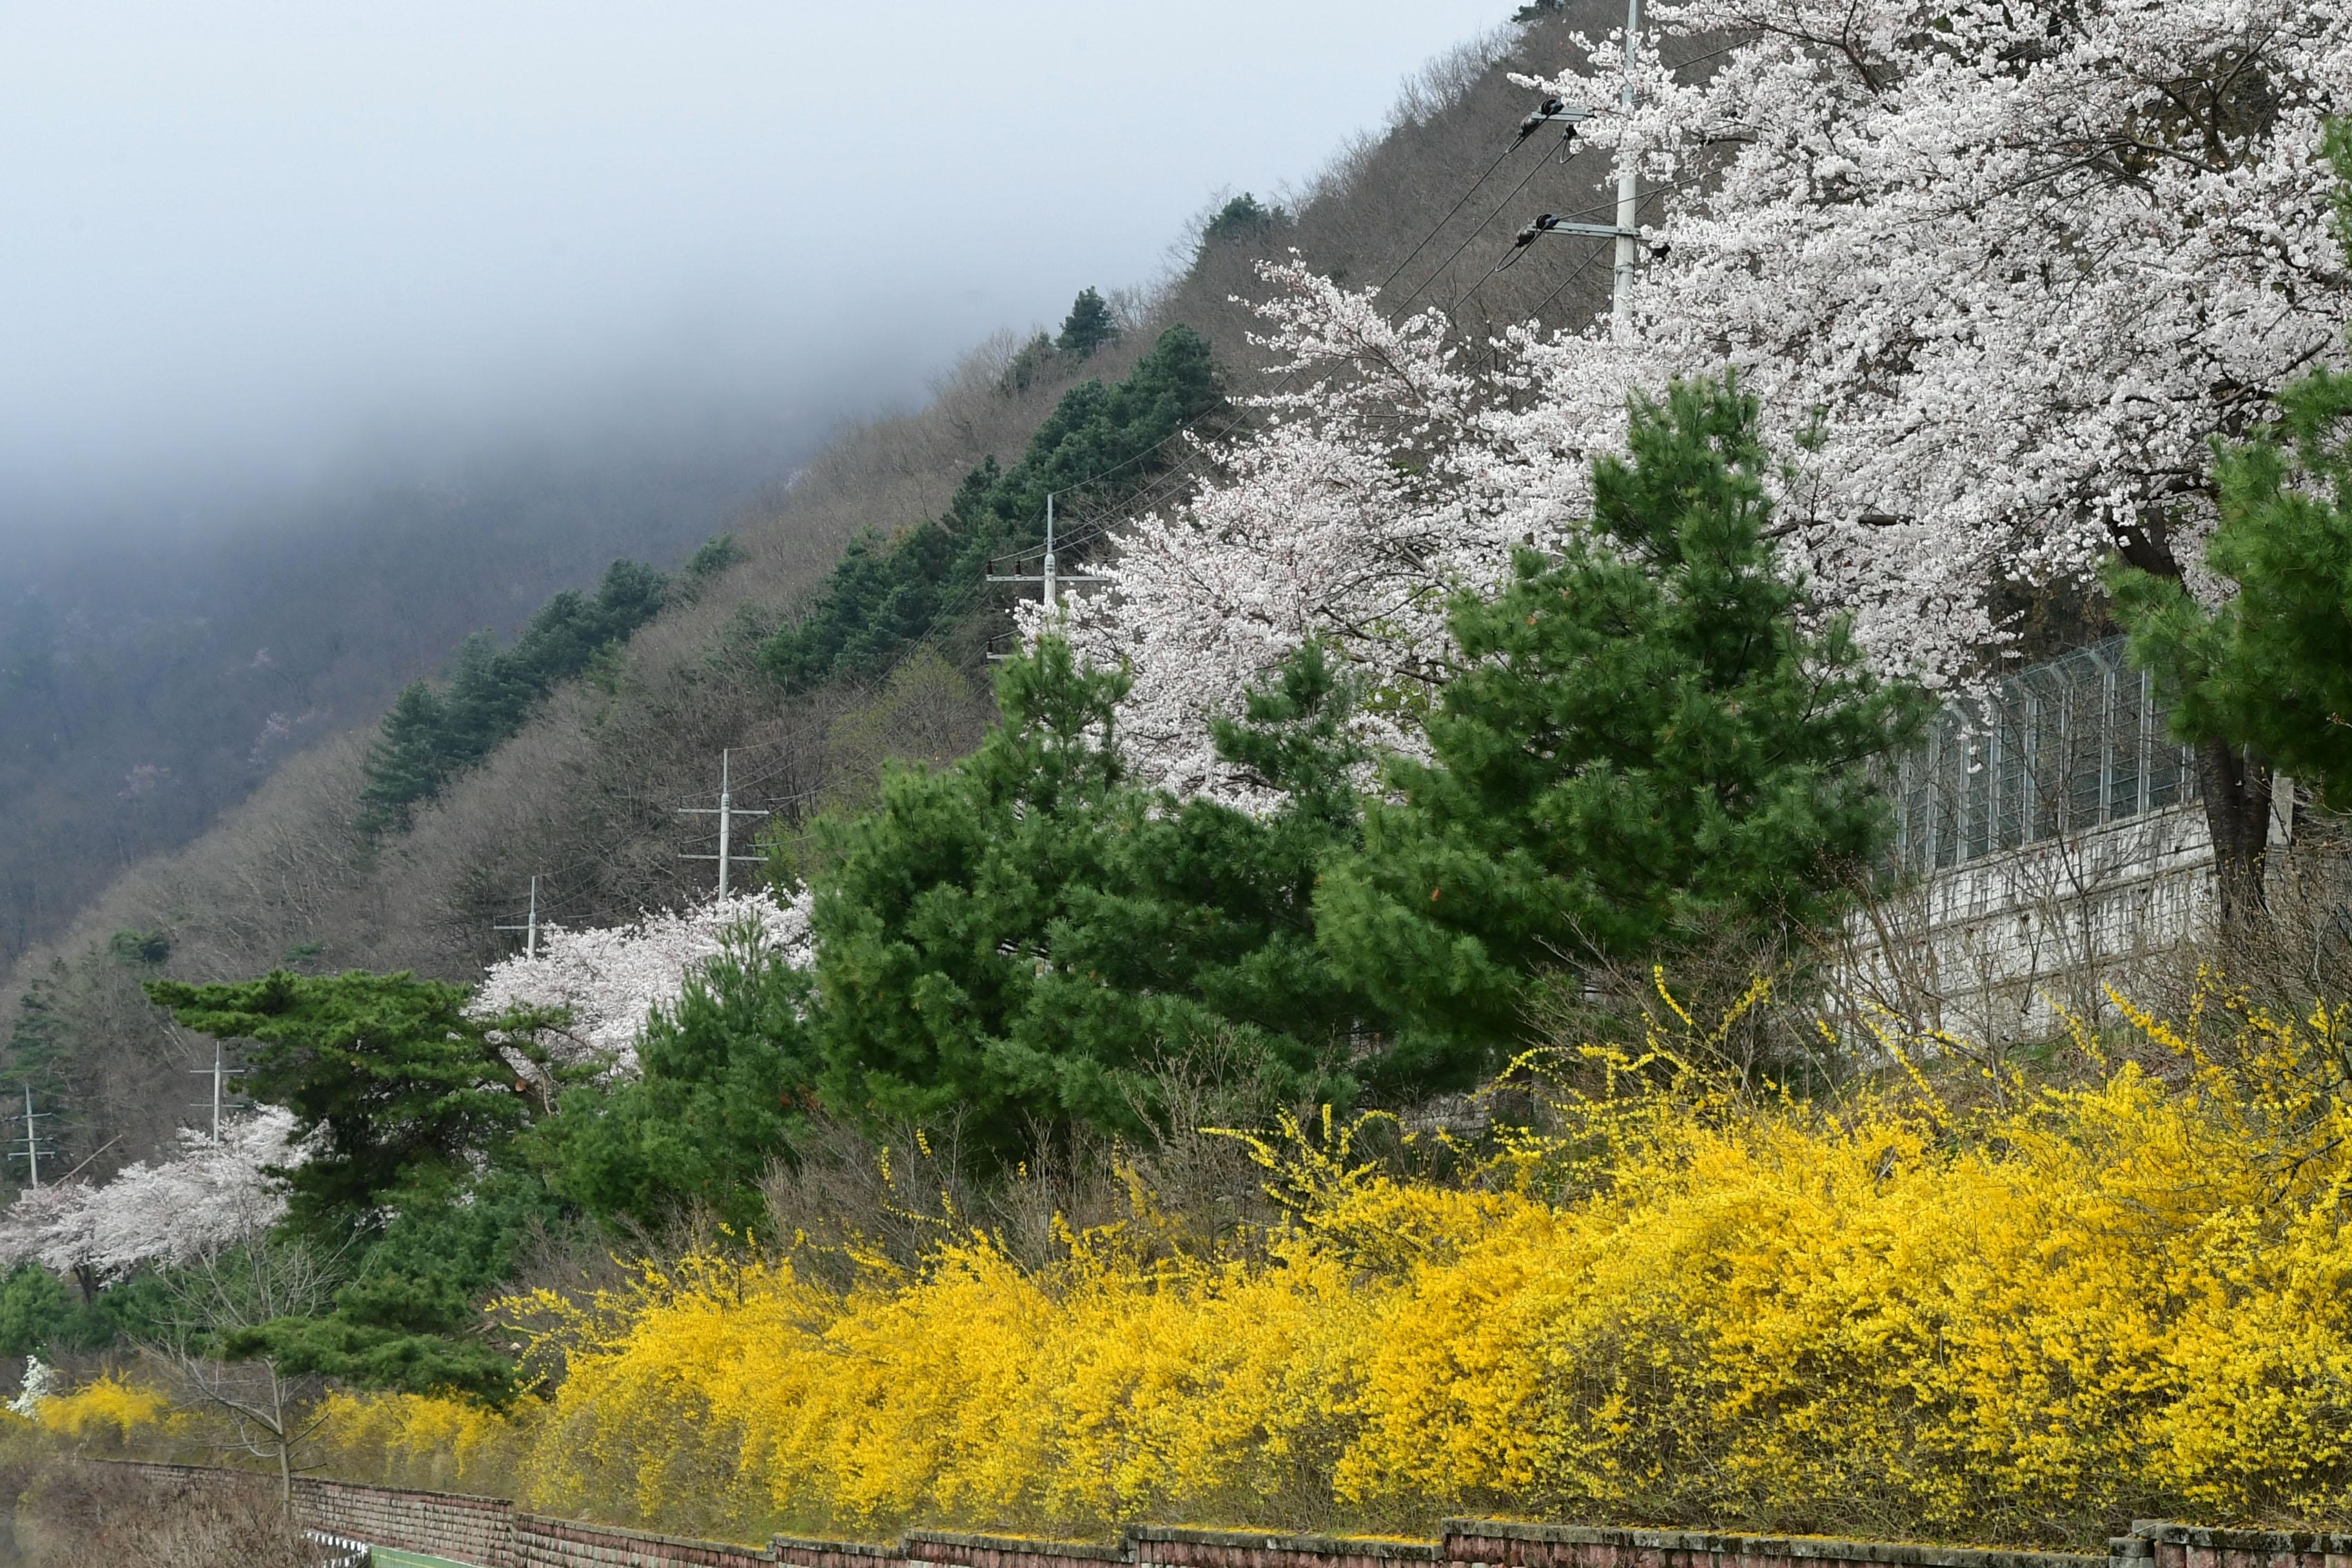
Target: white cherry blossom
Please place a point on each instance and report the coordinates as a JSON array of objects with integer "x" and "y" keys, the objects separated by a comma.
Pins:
[
  {"x": 1999, "y": 270},
  {"x": 614, "y": 978},
  {"x": 204, "y": 1197}
]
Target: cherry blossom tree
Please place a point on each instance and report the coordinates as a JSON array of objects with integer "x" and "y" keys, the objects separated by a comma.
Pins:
[
  {"x": 51, "y": 1227},
  {"x": 1386, "y": 480},
  {"x": 2000, "y": 270},
  {"x": 2004, "y": 268},
  {"x": 205, "y": 1197},
  {"x": 612, "y": 979}
]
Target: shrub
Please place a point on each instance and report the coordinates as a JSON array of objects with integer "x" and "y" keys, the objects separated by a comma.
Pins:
[{"x": 1653, "y": 1301}]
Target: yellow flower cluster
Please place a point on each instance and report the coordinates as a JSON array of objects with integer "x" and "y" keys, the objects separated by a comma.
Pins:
[
  {"x": 1874, "y": 1317},
  {"x": 109, "y": 1415},
  {"x": 426, "y": 1442}
]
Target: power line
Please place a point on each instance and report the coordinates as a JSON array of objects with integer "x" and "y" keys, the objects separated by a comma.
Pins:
[
  {"x": 1459, "y": 203},
  {"x": 1474, "y": 234},
  {"x": 1625, "y": 232}
]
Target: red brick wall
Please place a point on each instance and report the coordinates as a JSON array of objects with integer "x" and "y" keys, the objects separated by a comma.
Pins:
[
  {"x": 568, "y": 1543},
  {"x": 2186, "y": 1546},
  {"x": 1494, "y": 1543},
  {"x": 441, "y": 1524},
  {"x": 491, "y": 1532}
]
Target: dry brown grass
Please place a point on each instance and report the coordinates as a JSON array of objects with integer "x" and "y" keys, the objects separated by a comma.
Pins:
[{"x": 74, "y": 1514}]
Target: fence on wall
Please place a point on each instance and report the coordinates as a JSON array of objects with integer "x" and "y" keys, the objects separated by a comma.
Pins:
[
  {"x": 2048, "y": 841},
  {"x": 2061, "y": 748}
]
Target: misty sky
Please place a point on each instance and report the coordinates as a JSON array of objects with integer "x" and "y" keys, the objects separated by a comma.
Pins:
[{"x": 241, "y": 242}]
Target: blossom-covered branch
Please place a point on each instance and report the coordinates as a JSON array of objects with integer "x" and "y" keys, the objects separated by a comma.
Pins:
[
  {"x": 205, "y": 1197},
  {"x": 2000, "y": 272},
  {"x": 611, "y": 980}
]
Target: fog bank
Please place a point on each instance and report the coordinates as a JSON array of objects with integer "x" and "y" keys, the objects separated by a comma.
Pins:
[{"x": 249, "y": 242}]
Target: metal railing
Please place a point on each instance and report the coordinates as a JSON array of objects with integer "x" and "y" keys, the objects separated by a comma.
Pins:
[{"x": 2055, "y": 750}]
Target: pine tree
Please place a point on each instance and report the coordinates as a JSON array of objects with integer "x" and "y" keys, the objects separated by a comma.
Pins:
[
  {"x": 1643, "y": 746},
  {"x": 1244, "y": 218},
  {"x": 1088, "y": 326},
  {"x": 1102, "y": 441},
  {"x": 407, "y": 762},
  {"x": 402, "y": 1089},
  {"x": 411, "y": 1110},
  {"x": 1021, "y": 938},
  {"x": 725, "y": 1079},
  {"x": 426, "y": 740},
  {"x": 1028, "y": 365}
]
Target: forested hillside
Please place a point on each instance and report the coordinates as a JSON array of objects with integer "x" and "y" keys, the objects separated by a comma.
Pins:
[{"x": 851, "y": 629}]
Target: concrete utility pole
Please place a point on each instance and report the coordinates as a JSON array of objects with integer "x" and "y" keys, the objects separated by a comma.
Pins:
[
  {"x": 530, "y": 928},
  {"x": 1629, "y": 197},
  {"x": 221, "y": 1072},
  {"x": 1049, "y": 577},
  {"x": 31, "y": 1152},
  {"x": 1626, "y": 232},
  {"x": 727, "y": 812}
]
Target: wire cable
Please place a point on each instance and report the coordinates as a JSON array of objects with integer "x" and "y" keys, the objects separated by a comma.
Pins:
[
  {"x": 1474, "y": 234},
  {"x": 1459, "y": 203}
]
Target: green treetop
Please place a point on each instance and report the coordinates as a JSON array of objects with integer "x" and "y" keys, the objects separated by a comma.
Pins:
[
  {"x": 1021, "y": 937},
  {"x": 1101, "y": 442},
  {"x": 398, "y": 1084},
  {"x": 1643, "y": 744},
  {"x": 413, "y": 1110},
  {"x": 724, "y": 1081},
  {"x": 1088, "y": 326},
  {"x": 2269, "y": 672},
  {"x": 426, "y": 740}
]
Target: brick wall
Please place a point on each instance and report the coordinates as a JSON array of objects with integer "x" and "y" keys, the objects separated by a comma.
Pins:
[
  {"x": 568, "y": 1543},
  {"x": 440, "y": 1524},
  {"x": 2153, "y": 1544},
  {"x": 491, "y": 1532},
  {"x": 1476, "y": 1542}
]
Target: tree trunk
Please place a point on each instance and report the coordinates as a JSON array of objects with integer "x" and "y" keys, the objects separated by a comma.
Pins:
[
  {"x": 2237, "y": 791},
  {"x": 285, "y": 1459},
  {"x": 2236, "y": 787}
]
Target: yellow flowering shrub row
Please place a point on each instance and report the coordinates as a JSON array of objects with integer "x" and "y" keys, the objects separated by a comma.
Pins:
[
  {"x": 109, "y": 1415},
  {"x": 424, "y": 1442},
  {"x": 1878, "y": 1316}
]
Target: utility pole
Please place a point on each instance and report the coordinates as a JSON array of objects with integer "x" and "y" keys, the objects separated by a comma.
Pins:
[
  {"x": 220, "y": 1072},
  {"x": 727, "y": 812},
  {"x": 1626, "y": 231},
  {"x": 530, "y": 928},
  {"x": 1048, "y": 577},
  {"x": 31, "y": 1152},
  {"x": 1629, "y": 197}
]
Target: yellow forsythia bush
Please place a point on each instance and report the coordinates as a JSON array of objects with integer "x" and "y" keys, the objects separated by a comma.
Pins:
[
  {"x": 108, "y": 1415},
  {"x": 1873, "y": 1316},
  {"x": 428, "y": 1443}
]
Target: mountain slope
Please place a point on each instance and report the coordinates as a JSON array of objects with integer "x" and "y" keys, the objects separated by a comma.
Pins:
[
  {"x": 150, "y": 680},
  {"x": 585, "y": 796}
]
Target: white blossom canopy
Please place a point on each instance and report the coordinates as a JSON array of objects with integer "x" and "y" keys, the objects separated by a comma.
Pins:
[
  {"x": 1999, "y": 270},
  {"x": 206, "y": 1196},
  {"x": 614, "y": 979}
]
